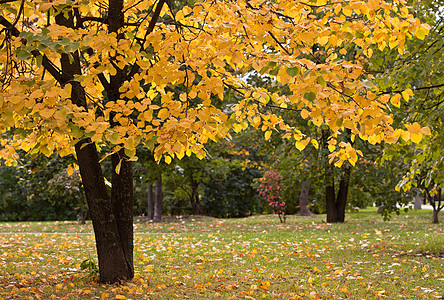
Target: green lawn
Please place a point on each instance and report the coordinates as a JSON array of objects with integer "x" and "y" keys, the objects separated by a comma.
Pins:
[{"x": 250, "y": 258}]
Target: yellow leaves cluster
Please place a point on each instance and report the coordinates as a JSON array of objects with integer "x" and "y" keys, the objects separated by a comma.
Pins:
[
  {"x": 217, "y": 46},
  {"x": 342, "y": 152}
]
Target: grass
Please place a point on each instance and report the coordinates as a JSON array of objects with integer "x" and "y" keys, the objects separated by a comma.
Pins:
[{"x": 249, "y": 258}]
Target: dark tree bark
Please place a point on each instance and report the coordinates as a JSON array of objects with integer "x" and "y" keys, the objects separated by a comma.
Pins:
[
  {"x": 335, "y": 203},
  {"x": 150, "y": 214},
  {"x": 435, "y": 216},
  {"x": 113, "y": 265},
  {"x": 303, "y": 198},
  {"x": 437, "y": 205},
  {"x": 194, "y": 197},
  {"x": 122, "y": 200},
  {"x": 158, "y": 197}
]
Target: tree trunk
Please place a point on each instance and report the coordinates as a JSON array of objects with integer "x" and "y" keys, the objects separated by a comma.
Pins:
[
  {"x": 335, "y": 204},
  {"x": 330, "y": 197},
  {"x": 341, "y": 198},
  {"x": 113, "y": 265},
  {"x": 158, "y": 197},
  {"x": 150, "y": 214},
  {"x": 122, "y": 200},
  {"x": 113, "y": 252},
  {"x": 435, "y": 216},
  {"x": 303, "y": 198},
  {"x": 194, "y": 197},
  {"x": 435, "y": 201}
]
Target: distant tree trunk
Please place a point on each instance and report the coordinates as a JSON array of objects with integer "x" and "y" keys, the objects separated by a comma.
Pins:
[
  {"x": 194, "y": 197},
  {"x": 435, "y": 216},
  {"x": 158, "y": 197},
  {"x": 150, "y": 202},
  {"x": 303, "y": 198},
  {"x": 335, "y": 204},
  {"x": 436, "y": 203}
]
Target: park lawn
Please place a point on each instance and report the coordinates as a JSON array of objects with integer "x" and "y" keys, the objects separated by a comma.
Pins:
[{"x": 249, "y": 258}]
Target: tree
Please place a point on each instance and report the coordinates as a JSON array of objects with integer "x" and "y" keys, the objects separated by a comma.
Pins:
[
  {"x": 419, "y": 68},
  {"x": 79, "y": 75}
]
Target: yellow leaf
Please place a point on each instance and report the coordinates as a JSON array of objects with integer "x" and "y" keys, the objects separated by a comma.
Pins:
[
  {"x": 267, "y": 135},
  {"x": 414, "y": 128},
  {"x": 407, "y": 94},
  {"x": 393, "y": 43},
  {"x": 45, "y": 6},
  {"x": 104, "y": 295},
  {"x": 148, "y": 115},
  {"x": 347, "y": 11},
  {"x": 425, "y": 130},
  {"x": 395, "y": 100},
  {"x": 129, "y": 144},
  {"x": 300, "y": 145},
  {"x": 163, "y": 114},
  {"x": 70, "y": 170},
  {"x": 119, "y": 165},
  {"x": 323, "y": 40},
  {"x": 168, "y": 159},
  {"x": 304, "y": 114},
  {"x": 237, "y": 128},
  {"x": 405, "y": 135},
  {"x": 416, "y": 138},
  {"x": 315, "y": 143},
  {"x": 120, "y": 297},
  {"x": 318, "y": 121},
  {"x": 46, "y": 113}
]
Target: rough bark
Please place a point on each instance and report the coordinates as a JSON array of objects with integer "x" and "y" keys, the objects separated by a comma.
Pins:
[
  {"x": 113, "y": 266},
  {"x": 150, "y": 212},
  {"x": 158, "y": 197},
  {"x": 303, "y": 198},
  {"x": 122, "y": 200}
]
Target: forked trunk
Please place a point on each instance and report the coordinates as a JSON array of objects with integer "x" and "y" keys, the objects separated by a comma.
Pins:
[
  {"x": 113, "y": 265},
  {"x": 335, "y": 203}
]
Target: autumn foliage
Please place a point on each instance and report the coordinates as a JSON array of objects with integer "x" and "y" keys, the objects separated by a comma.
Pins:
[
  {"x": 98, "y": 78},
  {"x": 176, "y": 67}
]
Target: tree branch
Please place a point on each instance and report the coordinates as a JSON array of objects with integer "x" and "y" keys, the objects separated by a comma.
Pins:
[
  {"x": 135, "y": 68},
  {"x": 415, "y": 89},
  {"x": 7, "y": 1},
  {"x": 47, "y": 64}
]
